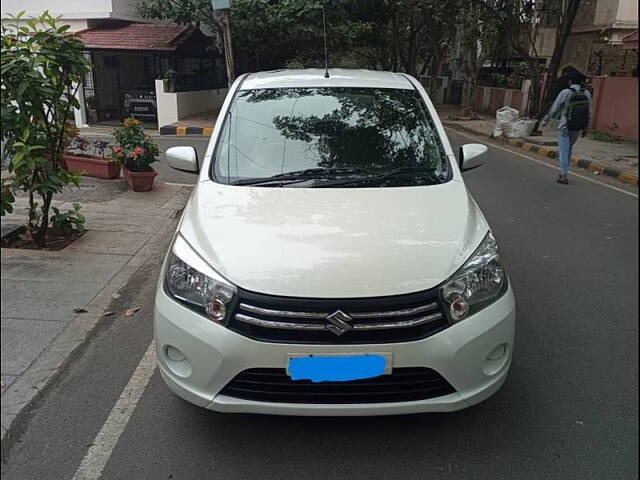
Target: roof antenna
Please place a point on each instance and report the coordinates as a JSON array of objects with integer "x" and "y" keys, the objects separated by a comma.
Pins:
[{"x": 326, "y": 55}]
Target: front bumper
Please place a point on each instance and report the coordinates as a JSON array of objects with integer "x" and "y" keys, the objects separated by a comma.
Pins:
[{"x": 215, "y": 355}]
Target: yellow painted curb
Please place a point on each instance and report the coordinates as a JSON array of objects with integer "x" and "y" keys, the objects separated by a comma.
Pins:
[
  {"x": 527, "y": 146},
  {"x": 628, "y": 178},
  {"x": 513, "y": 142},
  {"x": 180, "y": 131},
  {"x": 574, "y": 160},
  {"x": 543, "y": 151},
  {"x": 207, "y": 131},
  {"x": 594, "y": 167}
]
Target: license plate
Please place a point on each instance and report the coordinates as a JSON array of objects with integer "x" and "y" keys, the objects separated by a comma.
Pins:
[
  {"x": 140, "y": 109},
  {"x": 320, "y": 367}
]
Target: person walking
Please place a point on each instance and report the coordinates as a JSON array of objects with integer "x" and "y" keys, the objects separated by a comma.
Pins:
[{"x": 572, "y": 110}]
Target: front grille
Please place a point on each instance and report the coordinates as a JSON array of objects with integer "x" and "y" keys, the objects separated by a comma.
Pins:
[
  {"x": 400, "y": 318},
  {"x": 402, "y": 385}
]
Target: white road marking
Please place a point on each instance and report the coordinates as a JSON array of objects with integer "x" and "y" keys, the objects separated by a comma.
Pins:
[
  {"x": 102, "y": 447},
  {"x": 540, "y": 162}
]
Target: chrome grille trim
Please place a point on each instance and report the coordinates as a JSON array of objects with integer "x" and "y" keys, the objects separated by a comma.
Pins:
[
  {"x": 315, "y": 315},
  {"x": 282, "y": 325},
  {"x": 358, "y": 326},
  {"x": 396, "y": 313},
  {"x": 400, "y": 324},
  {"x": 281, "y": 313}
]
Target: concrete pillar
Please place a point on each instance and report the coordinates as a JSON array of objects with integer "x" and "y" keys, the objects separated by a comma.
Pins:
[
  {"x": 166, "y": 105},
  {"x": 486, "y": 99},
  {"x": 508, "y": 96},
  {"x": 80, "y": 114}
]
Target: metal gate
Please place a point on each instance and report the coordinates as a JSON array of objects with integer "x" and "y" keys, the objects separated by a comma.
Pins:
[
  {"x": 455, "y": 93},
  {"x": 121, "y": 85}
]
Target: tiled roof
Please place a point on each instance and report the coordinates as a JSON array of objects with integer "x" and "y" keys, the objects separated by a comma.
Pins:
[{"x": 134, "y": 36}]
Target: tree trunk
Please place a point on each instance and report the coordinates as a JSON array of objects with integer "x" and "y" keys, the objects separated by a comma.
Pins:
[
  {"x": 41, "y": 234},
  {"x": 533, "y": 103},
  {"x": 32, "y": 213},
  {"x": 562, "y": 35},
  {"x": 433, "y": 83}
]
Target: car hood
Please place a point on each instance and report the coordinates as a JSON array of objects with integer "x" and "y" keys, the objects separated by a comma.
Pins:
[{"x": 333, "y": 243}]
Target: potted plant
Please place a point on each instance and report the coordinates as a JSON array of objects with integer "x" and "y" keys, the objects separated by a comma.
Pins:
[
  {"x": 89, "y": 158},
  {"x": 136, "y": 151}
]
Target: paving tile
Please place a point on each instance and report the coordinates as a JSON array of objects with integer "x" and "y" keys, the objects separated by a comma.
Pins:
[
  {"x": 117, "y": 243},
  {"x": 45, "y": 300},
  {"x": 72, "y": 266},
  {"x": 23, "y": 341},
  {"x": 7, "y": 381},
  {"x": 119, "y": 221}
]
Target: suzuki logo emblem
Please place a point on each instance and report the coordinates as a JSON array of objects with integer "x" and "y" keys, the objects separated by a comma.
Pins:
[{"x": 338, "y": 322}]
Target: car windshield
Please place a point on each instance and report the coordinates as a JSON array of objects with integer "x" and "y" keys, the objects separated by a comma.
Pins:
[{"x": 333, "y": 137}]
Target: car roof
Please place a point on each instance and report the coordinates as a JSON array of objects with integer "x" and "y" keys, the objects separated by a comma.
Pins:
[{"x": 314, "y": 77}]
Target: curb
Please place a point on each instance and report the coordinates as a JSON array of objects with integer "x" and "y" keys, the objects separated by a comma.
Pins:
[
  {"x": 182, "y": 130},
  {"x": 24, "y": 394},
  {"x": 591, "y": 165}
]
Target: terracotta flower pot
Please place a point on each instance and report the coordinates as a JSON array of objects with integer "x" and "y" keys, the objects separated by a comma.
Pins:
[
  {"x": 91, "y": 166},
  {"x": 139, "y": 181}
]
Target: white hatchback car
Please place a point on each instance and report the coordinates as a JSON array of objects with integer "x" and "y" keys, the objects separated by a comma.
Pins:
[{"x": 330, "y": 260}]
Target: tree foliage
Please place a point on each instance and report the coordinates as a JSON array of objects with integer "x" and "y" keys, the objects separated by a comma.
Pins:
[
  {"x": 402, "y": 35},
  {"x": 42, "y": 66}
]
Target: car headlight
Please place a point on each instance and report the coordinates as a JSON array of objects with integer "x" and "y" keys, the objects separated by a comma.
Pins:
[
  {"x": 191, "y": 281},
  {"x": 478, "y": 283}
]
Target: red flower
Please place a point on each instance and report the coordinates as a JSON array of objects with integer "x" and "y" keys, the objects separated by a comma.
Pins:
[{"x": 138, "y": 151}]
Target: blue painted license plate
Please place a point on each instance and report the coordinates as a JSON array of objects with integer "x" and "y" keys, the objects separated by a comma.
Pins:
[{"x": 337, "y": 368}]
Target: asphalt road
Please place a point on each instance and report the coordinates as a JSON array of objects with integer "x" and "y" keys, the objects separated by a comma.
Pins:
[
  {"x": 165, "y": 172},
  {"x": 569, "y": 409}
]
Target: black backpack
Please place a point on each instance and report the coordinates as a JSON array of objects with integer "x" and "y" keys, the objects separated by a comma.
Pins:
[{"x": 577, "y": 112}]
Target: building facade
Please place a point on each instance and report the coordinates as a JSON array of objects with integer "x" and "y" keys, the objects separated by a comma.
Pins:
[
  {"x": 128, "y": 54},
  {"x": 595, "y": 46}
]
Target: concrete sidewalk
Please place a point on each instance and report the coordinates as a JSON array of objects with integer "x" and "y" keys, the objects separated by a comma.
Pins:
[
  {"x": 615, "y": 159},
  {"x": 52, "y": 301}
]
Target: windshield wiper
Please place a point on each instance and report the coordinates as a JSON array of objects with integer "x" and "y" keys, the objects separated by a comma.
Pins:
[
  {"x": 379, "y": 179},
  {"x": 297, "y": 176}
]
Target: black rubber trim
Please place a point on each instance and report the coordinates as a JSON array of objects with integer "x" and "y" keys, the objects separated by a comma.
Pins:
[{"x": 273, "y": 385}]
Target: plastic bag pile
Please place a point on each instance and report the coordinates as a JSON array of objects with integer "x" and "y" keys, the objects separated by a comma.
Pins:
[{"x": 509, "y": 124}]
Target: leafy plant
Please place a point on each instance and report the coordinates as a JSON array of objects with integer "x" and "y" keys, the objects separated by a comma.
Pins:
[
  {"x": 100, "y": 147},
  {"x": 81, "y": 144},
  {"x": 133, "y": 147},
  {"x": 42, "y": 67},
  {"x": 87, "y": 147},
  {"x": 7, "y": 197},
  {"x": 69, "y": 222},
  {"x": 605, "y": 137}
]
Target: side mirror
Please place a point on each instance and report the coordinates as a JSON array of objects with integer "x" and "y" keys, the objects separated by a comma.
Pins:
[
  {"x": 184, "y": 159},
  {"x": 471, "y": 156}
]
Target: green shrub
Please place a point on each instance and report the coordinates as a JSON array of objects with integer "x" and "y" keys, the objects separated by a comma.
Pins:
[
  {"x": 71, "y": 221},
  {"x": 605, "y": 137},
  {"x": 42, "y": 67}
]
